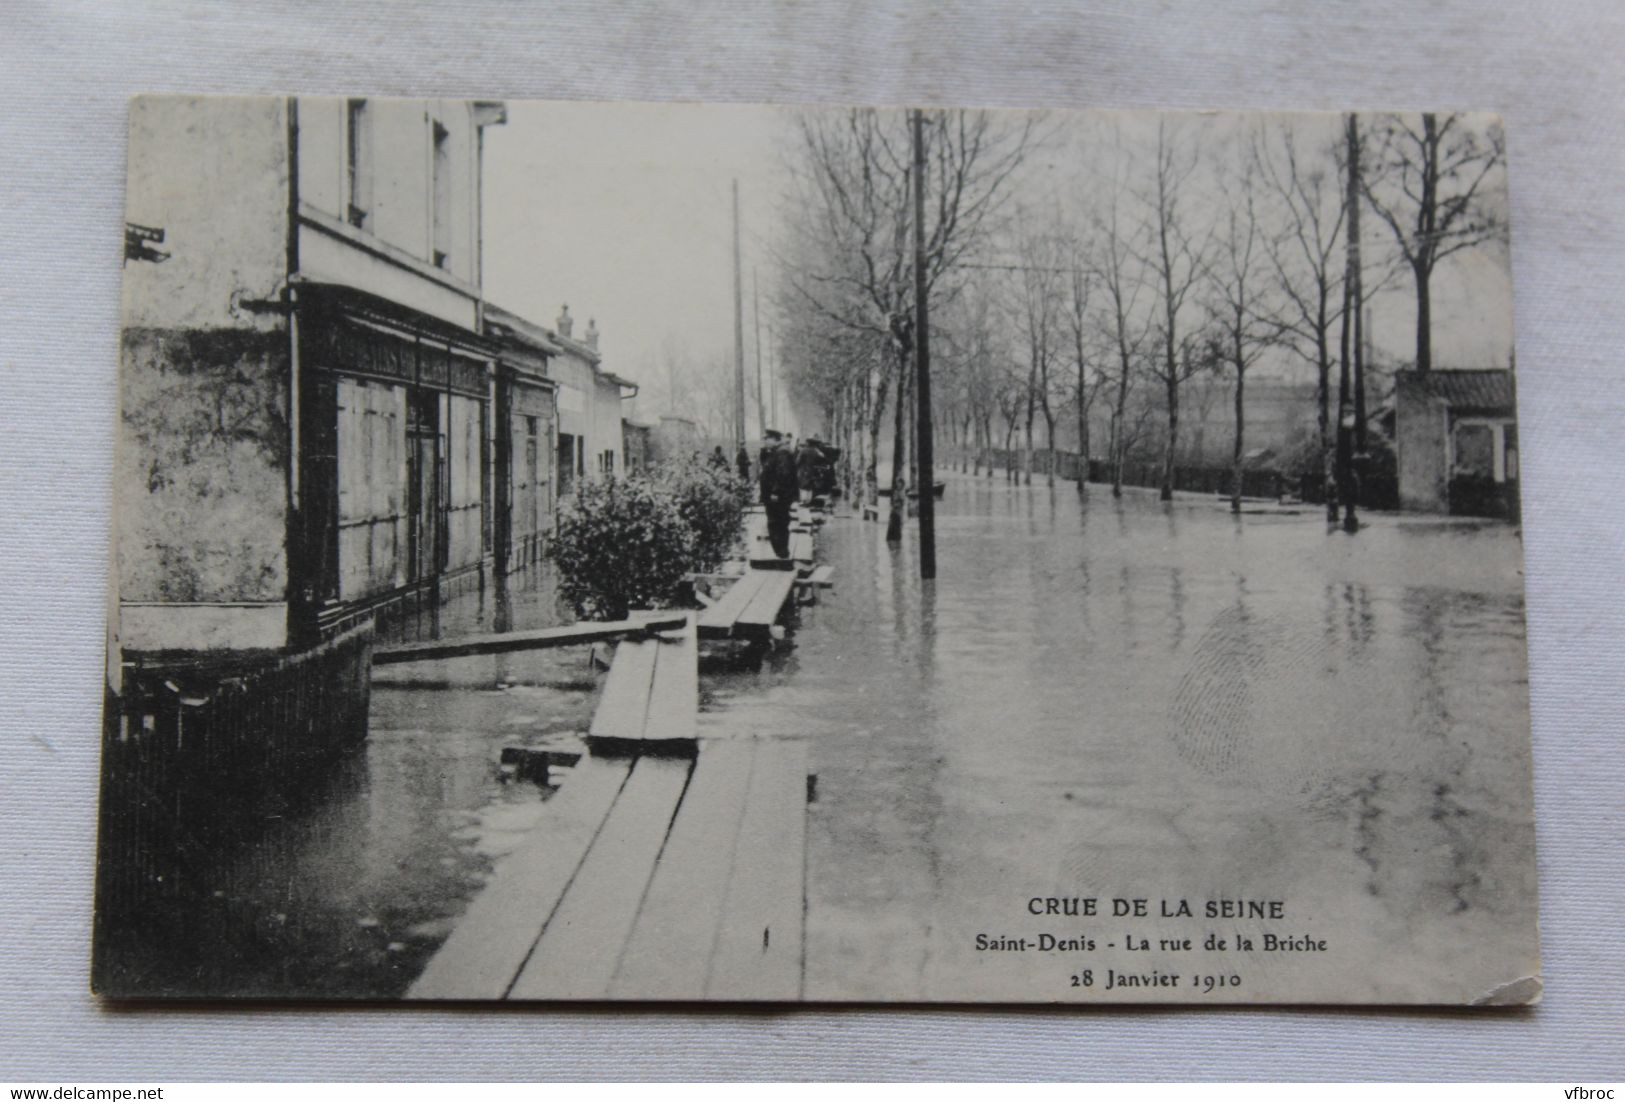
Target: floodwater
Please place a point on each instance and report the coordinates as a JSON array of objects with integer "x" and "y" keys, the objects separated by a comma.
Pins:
[
  {"x": 1117, "y": 699},
  {"x": 1130, "y": 700}
]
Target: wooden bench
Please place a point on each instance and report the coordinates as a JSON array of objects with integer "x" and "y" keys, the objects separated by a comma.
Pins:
[
  {"x": 750, "y": 608},
  {"x": 648, "y": 878}
]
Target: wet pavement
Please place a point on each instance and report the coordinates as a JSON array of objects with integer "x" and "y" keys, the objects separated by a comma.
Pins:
[{"x": 1117, "y": 699}]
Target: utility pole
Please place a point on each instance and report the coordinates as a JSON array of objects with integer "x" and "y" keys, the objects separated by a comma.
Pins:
[
  {"x": 772, "y": 376},
  {"x": 1351, "y": 352},
  {"x": 739, "y": 333},
  {"x": 922, "y": 359},
  {"x": 756, "y": 314}
]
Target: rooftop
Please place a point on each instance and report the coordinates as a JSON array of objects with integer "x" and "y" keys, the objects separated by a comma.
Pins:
[{"x": 1473, "y": 389}]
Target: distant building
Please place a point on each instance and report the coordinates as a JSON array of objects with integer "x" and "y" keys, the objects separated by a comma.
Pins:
[
  {"x": 588, "y": 437},
  {"x": 635, "y": 437},
  {"x": 676, "y": 437},
  {"x": 1456, "y": 438},
  {"x": 523, "y": 476}
]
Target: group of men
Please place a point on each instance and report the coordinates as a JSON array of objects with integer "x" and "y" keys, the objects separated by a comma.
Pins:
[{"x": 784, "y": 474}]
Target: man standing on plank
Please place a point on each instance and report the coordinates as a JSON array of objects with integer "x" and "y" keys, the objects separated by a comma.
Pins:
[{"x": 779, "y": 491}]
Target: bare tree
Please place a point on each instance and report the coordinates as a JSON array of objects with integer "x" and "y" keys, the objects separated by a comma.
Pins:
[
  {"x": 1089, "y": 376},
  {"x": 1177, "y": 256},
  {"x": 1123, "y": 279},
  {"x": 1239, "y": 311},
  {"x": 1303, "y": 256},
  {"x": 1428, "y": 182},
  {"x": 856, "y": 171},
  {"x": 1036, "y": 307}
]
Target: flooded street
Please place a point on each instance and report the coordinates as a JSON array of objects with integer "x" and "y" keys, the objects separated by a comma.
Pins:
[
  {"x": 1134, "y": 700},
  {"x": 1115, "y": 699}
]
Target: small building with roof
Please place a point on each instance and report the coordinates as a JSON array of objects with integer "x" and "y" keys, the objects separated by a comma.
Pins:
[{"x": 1456, "y": 439}]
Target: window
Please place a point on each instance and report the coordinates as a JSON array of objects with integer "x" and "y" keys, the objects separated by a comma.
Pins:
[
  {"x": 357, "y": 162},
  {"x": 442, "y": 197},
  {"x": 1475, "y": 451}
]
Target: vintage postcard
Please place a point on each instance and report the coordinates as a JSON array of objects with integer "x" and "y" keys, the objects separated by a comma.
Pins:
[{"x": 719, "y": 553}]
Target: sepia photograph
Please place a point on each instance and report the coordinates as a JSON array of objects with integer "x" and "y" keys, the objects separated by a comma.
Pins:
[{"x": 712, "y": 553}]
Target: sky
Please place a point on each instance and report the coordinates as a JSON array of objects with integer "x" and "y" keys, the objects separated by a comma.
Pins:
[{"x": 623, "y": 211}]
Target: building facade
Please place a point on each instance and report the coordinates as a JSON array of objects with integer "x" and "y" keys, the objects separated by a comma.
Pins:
[
  {"x": 307, "y": 419},
  {"x": 589, "y": 441}
]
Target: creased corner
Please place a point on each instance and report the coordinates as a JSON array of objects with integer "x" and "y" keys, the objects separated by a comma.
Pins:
[{"x": 1524, "y": 991}]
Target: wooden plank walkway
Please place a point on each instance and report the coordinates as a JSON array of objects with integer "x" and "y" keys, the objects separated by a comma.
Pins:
[
  {"x": 649, "y": 878},
  {"x": 657, "y": 871},
  {"x": 717, "y": 622},
  {"x": 501, "y": 643},
  {"x": 724, "y": 917},
  {"x": 651, "y": 698}
]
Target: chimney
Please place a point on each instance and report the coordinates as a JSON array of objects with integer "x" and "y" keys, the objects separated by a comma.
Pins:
[
  {"x": 565, "y": 321},
  {"x": 591, "y": 335}
]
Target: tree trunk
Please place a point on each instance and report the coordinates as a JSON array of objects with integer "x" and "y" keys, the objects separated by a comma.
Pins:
[
  {"x": 913, "y": 436},
  {"x": 1083, "y": 449},
  {"x": 1424, "y": 320},
  {"x": 1167, "y": 493},
  {"x": 1323, "y": 367},
  {"x": 899, "y": 458},
  {"x": 1235, "y": 459},
  {"x": 1118, "y": 412},
  {"x": 871, "y": 476},
  {"x": 1049, "y": 441}
]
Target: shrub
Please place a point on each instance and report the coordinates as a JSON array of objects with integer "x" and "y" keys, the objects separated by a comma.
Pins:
[
  {"x": 711, "y": 501},
  {"x": 621, "y": 544}
]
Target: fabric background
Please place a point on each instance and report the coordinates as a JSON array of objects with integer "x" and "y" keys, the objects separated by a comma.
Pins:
[{"x": 1556, "y": 71}]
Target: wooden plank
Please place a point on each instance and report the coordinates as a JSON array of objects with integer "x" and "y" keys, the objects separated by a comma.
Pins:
[
  {"x": 719, "y": 618},
  {"x": 668, "y": 955},
  {"x": 822, "y": 577},
  {"x": 672, "y": 729},
  {"x": 623, "y": 708},
  {"x": 801, "y": 547},
  {"x": 763, "y": 558},
  {"x": 759, "y": 947},
  {"x": 764, "y": 611},
  {"x": 577, "y": 954},
  {"x": 491, "y": 941},
  {"x": 500, "y": 643}
]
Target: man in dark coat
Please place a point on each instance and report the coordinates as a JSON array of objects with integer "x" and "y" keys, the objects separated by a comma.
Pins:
[
  {"x": 779, "y": 490},
  {"x": 808, "y": 460}
]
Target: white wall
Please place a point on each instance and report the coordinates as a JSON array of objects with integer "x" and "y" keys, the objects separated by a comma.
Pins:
[
  {"x": 400, "y": 143},
  {"x": 212, "y": 173}
]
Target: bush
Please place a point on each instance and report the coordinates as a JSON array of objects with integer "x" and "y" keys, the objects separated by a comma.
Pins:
[
  {"x": 621, "y": 544},
  {"x": 711, "y": 501}
]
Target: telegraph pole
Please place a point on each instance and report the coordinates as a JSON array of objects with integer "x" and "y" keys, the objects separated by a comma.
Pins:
[
  {"x": 1351, "y": 351},
  {"x": 922, "y": 358},
  {"x": 756, "y": 314},
  {"x": 772, "y": 376},
  {"x": 739, "y": 333}
]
